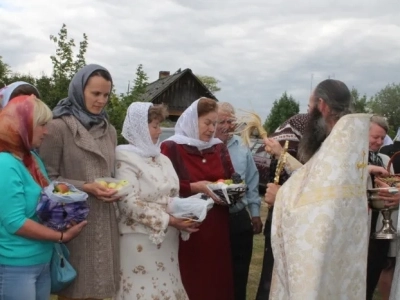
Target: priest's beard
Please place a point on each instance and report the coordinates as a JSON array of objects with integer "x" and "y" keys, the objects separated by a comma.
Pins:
[{"x": 314, "y": 135}]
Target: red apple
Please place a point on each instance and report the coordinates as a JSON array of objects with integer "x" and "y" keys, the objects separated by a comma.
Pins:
[{"x": 61, "y": 188}]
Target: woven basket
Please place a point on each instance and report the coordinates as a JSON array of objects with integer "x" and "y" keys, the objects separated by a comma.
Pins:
[{"x": 394, "y": 179}]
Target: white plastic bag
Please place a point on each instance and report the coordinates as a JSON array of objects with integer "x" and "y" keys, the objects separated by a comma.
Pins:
[{"x": 193, "y": 208}]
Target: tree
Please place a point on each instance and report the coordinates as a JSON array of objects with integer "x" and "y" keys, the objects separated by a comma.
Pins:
[
  {"x": 139, "y": 88},
  {"x": 282, "y": 109},
  {"x": 386, "y": 103},
  {"x": 359, "y": 103},
  {"x": 65, "y": 65},
  {"x": 210, "y": 82},
  {"x": 4, "y": 72}
]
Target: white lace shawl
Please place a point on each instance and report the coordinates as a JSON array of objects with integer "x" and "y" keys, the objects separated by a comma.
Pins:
[
  {"x": 136, "y": 131},
  {"x": 187, "y": 130}
]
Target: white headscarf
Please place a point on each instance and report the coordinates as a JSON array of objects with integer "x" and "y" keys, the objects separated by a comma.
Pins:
[
  {"x": 136, "y": 131},
  {"x": 187, "y": 129}
]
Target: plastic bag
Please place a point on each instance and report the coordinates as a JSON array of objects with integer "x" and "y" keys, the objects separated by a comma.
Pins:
[
  {"x": 194, "y": 208},
  {"x": 229, "y": 193},
  {"x": 57, "y": 211}
]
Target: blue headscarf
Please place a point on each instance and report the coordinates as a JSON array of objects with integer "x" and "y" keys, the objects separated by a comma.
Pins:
[{"x": 6, "y": 92}]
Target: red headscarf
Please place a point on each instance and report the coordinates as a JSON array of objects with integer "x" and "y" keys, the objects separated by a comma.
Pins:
[{"x": 16, "y": 131}]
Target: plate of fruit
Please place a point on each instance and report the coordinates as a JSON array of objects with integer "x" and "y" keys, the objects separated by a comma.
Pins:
[
  {"x": 122, "y": 186},
  {"x": 229, "y": 190}
]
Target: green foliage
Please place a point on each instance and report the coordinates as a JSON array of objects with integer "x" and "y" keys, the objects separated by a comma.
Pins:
[
  {"x": 386, "y": 103},
  {"x": 117, "y": 107},
  {"x": 65, "y": 65},
  {"x": 360, "y": 104},
  {"x": 210, "y": 82},
  {"x": 283, "y": 108},
  {"x": 4, "y": 72}
]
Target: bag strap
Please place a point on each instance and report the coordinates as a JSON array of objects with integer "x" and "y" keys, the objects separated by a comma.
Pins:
[{"x": 389, "y": 165}]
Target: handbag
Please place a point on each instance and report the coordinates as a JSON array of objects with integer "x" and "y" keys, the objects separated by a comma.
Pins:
[{"x": 62, "y": 273}]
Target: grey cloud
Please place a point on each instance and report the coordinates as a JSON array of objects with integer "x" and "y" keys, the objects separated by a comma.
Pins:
[{"x": 258, "y": 49}]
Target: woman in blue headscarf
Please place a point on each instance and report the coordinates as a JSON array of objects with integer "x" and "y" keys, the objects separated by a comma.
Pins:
[
  {"x": 15, "y": 89},
  {"x": 80, "y": 147}
]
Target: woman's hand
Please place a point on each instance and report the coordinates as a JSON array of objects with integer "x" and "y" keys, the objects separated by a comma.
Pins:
[
  {"x": 377, "y": 171},
  {"x": 183, "y": 224},
  {"x": 270, "y": 193},
  {"x": 73, "y": 231},
  {"x": 273, "y": 147},
  {"x": 101, "y": 192},
  {"x": 201, "y": 187},
  {"x": 389, "y": 198}
]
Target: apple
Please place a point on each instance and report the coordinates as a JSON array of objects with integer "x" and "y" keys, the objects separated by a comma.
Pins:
[
  {"x": 103, "y": 183},
  {"x": 220, "y": 181},
  {"x": 123, "y": 182},
  {"x": 61, "y": 188},
  {"x": 112, "y": 185},
  {"x": 119, "y": 186}
]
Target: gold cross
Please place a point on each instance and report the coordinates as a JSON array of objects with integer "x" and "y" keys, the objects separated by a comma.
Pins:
[{"x": 362, "y": 165}]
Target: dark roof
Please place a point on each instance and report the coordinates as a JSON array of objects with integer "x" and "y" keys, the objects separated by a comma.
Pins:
[{"x": 155, "y": 88}]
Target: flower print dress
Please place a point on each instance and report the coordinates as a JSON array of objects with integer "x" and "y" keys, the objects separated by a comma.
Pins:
[{"x": 149, "y": 247}]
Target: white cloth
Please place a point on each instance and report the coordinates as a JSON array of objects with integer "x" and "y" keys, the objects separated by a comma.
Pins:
[
  {"x": 387, "y": 141},
  {"x": 136, "y": 131},
  {"x": 397, "y": 137},
  {"x": 320, "y": 223},
  {"x": 187, "y": 130}
]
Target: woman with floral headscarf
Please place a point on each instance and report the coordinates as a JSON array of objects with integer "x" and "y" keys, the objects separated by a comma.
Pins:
[
  {"x": 26, "y": 246},
  {"x": 79, "y": 148},
  {"x": 199, "y": 158},
  {"x": 149, "y": 236}
]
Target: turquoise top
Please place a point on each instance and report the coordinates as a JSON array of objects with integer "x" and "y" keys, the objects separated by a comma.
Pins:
[{"x": 18, "y": 200}]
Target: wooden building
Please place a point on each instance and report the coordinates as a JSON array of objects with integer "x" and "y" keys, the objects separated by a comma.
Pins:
[{"x": 177, "y": 91}]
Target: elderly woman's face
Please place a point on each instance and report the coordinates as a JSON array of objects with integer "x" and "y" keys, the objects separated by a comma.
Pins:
[
  {"x": 96, "y": 93},
  {"x": 207, "y": 126},
  {"x": 376, "y": 136}
]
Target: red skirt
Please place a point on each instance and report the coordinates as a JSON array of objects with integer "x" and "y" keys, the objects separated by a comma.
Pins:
[{"x": 205, "y": 259}]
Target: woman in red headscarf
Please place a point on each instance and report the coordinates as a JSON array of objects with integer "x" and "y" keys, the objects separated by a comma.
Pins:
[{"x": 25, "y": 245}]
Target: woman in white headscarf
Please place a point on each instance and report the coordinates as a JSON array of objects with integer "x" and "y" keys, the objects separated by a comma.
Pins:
[
  {"x": 149, "y": 238},
  {"x": 199, "y": 158}
]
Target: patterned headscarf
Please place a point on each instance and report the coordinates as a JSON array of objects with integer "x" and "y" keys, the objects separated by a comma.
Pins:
[
  {"x": 74, "y": 104},
  {"x": 16, "y": 132}
]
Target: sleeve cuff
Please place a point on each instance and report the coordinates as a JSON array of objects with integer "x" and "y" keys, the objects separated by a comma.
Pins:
[
  {"x": 13, "y": 226},
  {"x": 254, "y": 210}
]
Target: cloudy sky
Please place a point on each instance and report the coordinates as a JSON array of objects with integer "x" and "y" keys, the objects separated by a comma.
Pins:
[{"x": 257, "y": 48}]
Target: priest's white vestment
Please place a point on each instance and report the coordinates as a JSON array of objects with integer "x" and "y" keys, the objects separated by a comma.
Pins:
[{"x": 320, "y": 222}]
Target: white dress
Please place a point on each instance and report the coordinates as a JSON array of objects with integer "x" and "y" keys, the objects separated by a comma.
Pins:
[
  {"x": 149, "y": 247},
  {"x": 319, "y": 228}
]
